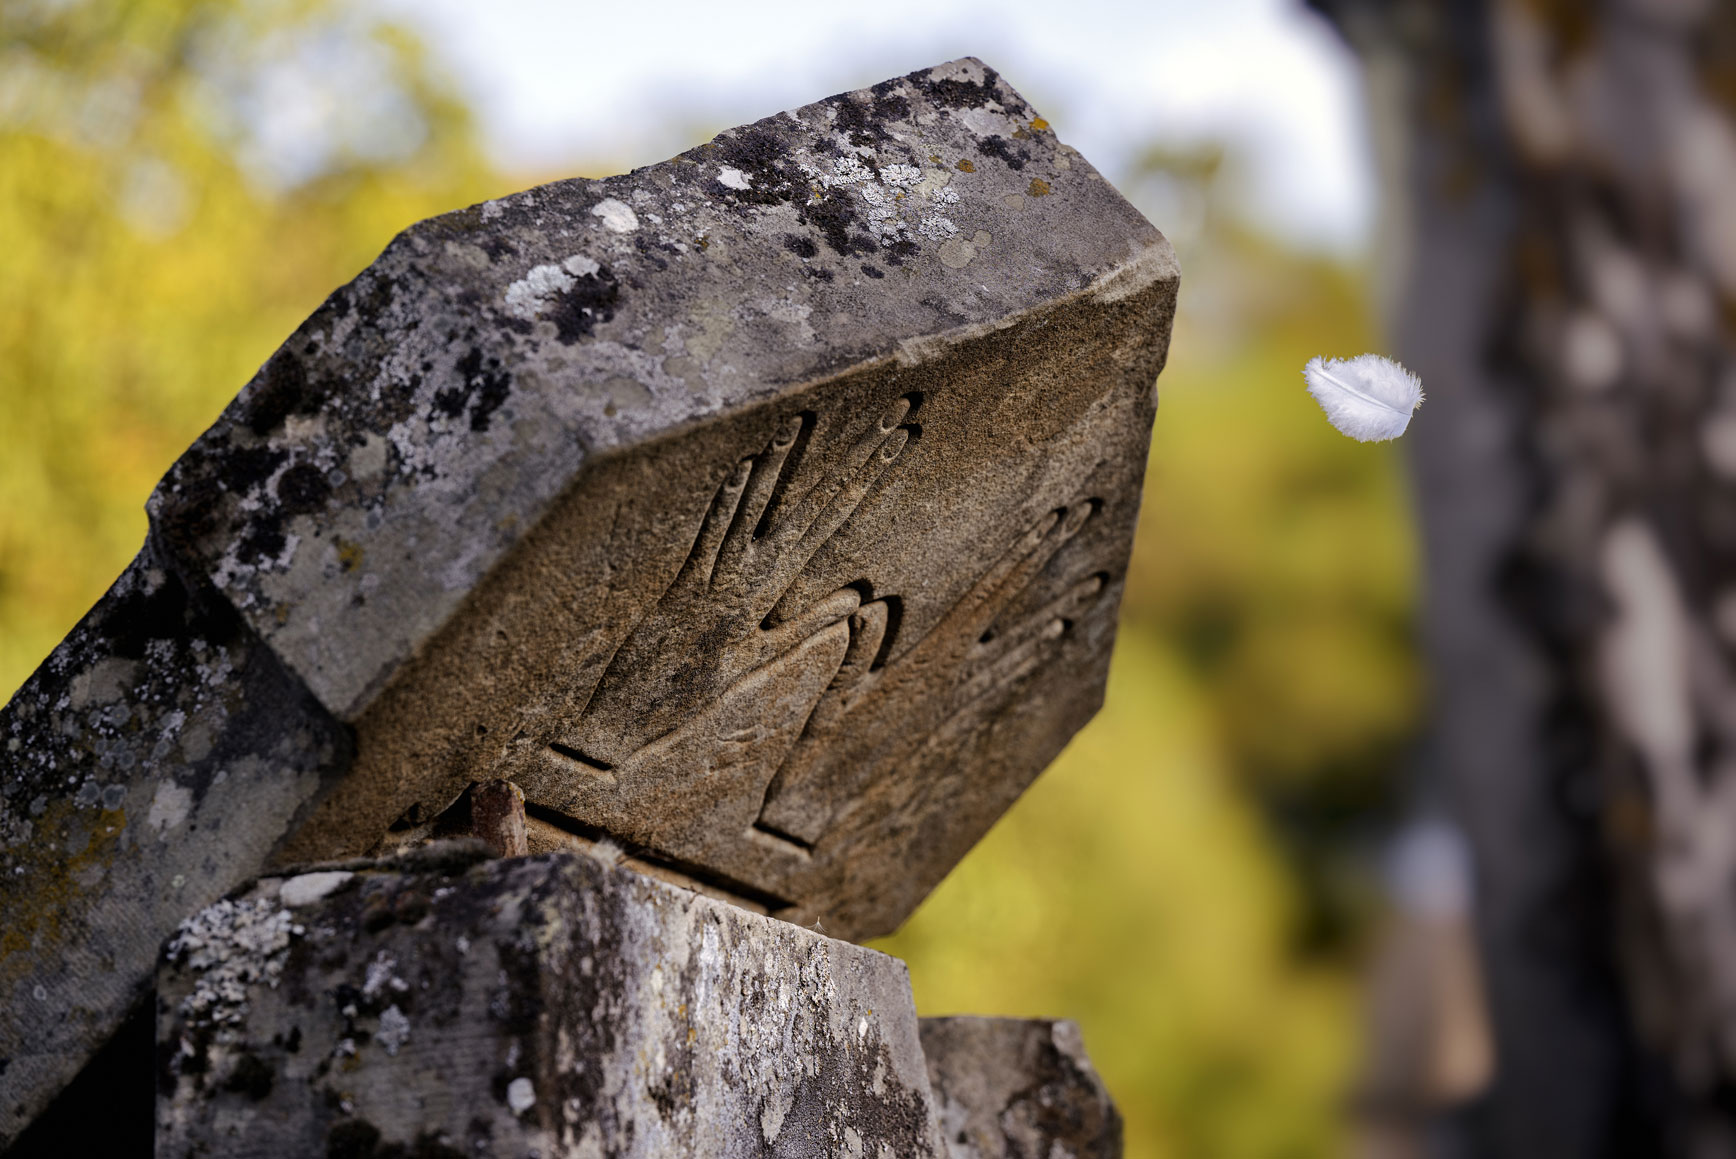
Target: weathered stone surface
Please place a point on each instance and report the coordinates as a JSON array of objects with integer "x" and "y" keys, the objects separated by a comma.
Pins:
[
  {"x": 148, "y": 766},
  {"x": 1007, "y": 1088},
  {"x": 552, "y": 1005},
  {"x": 763, "y": 513},
  {"x": 724, "y": 506}
]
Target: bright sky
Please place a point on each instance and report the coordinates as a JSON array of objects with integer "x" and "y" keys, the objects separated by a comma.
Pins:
[{"x": 629, "y": 83}]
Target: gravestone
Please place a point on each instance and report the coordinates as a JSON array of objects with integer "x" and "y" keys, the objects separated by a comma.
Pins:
[{"x": 761, "y": 514}]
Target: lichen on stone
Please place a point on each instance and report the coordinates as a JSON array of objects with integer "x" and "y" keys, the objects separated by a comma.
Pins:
[{"x": 231, "y": 945}]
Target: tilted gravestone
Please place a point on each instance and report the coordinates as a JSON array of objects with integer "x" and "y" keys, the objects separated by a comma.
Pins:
[{"x": 762, "y": 514}]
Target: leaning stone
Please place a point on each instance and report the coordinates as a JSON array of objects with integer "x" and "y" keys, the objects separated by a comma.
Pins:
[
  {"x": 709, "y": 504},
  {"x": 550, "y": 1005},
  {"x": 763, "y": 514},
  {"x": 1008, "y": 1088}
]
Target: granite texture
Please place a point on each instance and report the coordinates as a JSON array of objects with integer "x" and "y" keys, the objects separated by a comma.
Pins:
[{"x": 552, "y": 1005}]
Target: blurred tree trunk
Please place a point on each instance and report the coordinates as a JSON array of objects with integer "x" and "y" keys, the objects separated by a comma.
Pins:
[{"x": 1559, "y": 256}]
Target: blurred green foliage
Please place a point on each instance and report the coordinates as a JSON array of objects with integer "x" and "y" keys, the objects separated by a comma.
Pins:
[{"x": 181, "y": 182}]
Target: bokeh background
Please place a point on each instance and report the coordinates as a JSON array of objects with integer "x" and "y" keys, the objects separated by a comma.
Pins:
[{"x": 1206, "y": 879}]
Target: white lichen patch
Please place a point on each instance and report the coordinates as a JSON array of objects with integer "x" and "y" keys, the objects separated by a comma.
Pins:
[
  {"x": 732, "y": 178},
  {"x": 382, "y": 974},
  {"x": 883, "y": 218},
  {"x": 520, "y": 1095},
  {"x": 937, "y": 228},
  {"x": 617, "y": 216},
  {"x": 847, "y": 170},
  {"x": 899, "y": 199},
  {"x": 231, "y": 946},
  {"x": 394, "y": 1030},
  {"x": 169, "y": 807},
  {"x": 308, "y": 888},
  {"x": 901, "y": 176},
  {"x": 527, "y": 297}
]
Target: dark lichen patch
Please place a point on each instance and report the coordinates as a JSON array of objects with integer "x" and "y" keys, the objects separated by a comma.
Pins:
[
  {"x": 282, "y": 389},
  {"x": 262, "y": 542},
  {"x": 954, "y": 93},
  {"x": 481, "y": 389},
  {"x": 890, "y": 105},
  {"x": 862, "y": 124},
  {"x": 898, "y": 251},
  {"x": 833, "y": 213},
  {"x": 1009, "y": 154},
  {"x": 251, "y": 1077},
  {"x": 138, "y": 615},
  {"x": 762, "y": 155},
  {"x": 352, "y": 1139},
  {"x": 301, "y": 489},
  {"x": 518, "y": 1001},
  {"x": 587, "y": 303},
  {"x": 428, "y": 1145},
  {"x": 872, "y": 272},
  {"x": 378, "y": 914},
  {"x": 802, "y": 247}
]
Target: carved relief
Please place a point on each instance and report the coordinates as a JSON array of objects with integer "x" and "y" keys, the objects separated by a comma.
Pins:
[
  {"x": 732, "y": 732},
  {"x": 802, "y": 656},
  {"x": 710, "y": 628},
  {"x": 873, "y": 717}
]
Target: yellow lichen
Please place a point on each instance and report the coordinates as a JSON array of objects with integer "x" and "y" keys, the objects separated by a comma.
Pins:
[
  {"x": 349, "y": 554},
  {"x": 966, "y": 166},
  {"x": 1039, "y": 187}
]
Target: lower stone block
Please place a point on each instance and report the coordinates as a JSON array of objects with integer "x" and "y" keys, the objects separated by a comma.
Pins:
[
  {"x": 436, "y": 1006},
  {"x": 1008, "y": 1088}
]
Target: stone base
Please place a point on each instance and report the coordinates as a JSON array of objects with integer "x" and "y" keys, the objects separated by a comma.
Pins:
[
  {"x": 441, "y": 1005},
  {"x": 1011, "y": 1088}
]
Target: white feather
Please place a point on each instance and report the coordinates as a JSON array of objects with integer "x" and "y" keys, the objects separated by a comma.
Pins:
[{"x": 1369, "y": 398}]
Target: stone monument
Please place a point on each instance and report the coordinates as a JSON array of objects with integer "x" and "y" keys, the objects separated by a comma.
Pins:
[{"x": 757, "y": 519}]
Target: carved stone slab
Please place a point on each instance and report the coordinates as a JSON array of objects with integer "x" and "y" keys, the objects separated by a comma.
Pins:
[
  {"x": 548, "y": 1006},
  {"x": 762, "y": 513}
]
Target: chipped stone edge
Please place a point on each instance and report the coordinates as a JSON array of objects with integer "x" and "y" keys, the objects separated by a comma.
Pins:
[{"x": 1154, "y": 262}]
